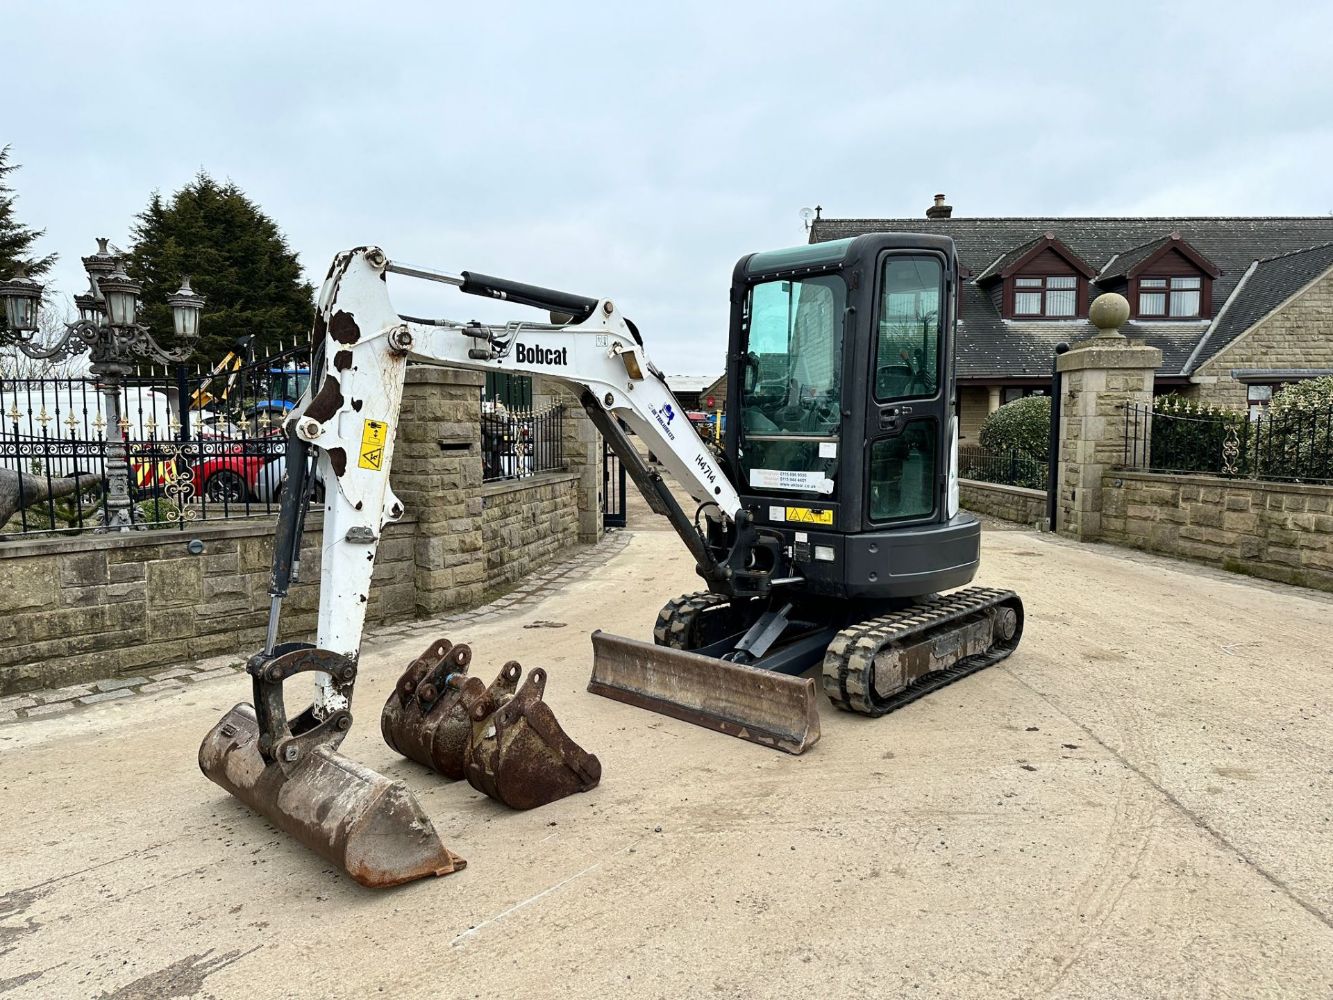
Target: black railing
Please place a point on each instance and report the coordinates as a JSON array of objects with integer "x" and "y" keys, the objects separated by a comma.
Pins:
[
  {"x": 1291, "y": 445},
  {"x": 1014, "y": 468},
  {"x": 519, "y": 443},
  {"x": 200, "y": 445}
]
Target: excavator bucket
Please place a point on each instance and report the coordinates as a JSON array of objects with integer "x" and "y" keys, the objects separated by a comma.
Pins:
[
  {"x": 366, "y": 824},
  {"x": 519, "y": 754},
  {"x": 772, "y": 709},
  {"x": 425, "y": 718}
]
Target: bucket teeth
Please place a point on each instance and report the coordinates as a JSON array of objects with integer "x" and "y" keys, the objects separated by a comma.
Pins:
[{"x": 504, "y": 739}]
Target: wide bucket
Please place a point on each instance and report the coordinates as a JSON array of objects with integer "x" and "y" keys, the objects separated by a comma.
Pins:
[
  {"x": 368, "y": 825},
  {"x": 764, "y": 707}
]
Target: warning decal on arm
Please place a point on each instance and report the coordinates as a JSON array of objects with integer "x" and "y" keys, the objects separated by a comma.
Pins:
[{"x": 373, "y": 436}]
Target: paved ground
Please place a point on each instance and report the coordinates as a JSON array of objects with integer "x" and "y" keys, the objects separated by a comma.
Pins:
[{"x": 1139, "y": 803}]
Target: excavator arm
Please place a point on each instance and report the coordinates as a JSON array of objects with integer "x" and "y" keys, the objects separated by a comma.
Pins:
[{"x": 353, "y": 415}]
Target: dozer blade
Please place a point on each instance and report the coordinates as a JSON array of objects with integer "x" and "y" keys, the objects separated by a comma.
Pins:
[{"x": 772, "y": 709}]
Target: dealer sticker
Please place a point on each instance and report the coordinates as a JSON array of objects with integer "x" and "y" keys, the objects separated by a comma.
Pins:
[
  {"x": 374, "y": 434},
  {"x": 810, "y": 515}
]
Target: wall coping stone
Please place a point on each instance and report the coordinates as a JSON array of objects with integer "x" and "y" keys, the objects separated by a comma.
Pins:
[
  {"x": 501, "y": 486},
  {"x": 251, "y": 527},
  {"x": 1272, "y": 485},
  {"x": 1018, "y": 491},
  {"x": 1092, "y": 354},
  {"x": 435, "y": 375}
]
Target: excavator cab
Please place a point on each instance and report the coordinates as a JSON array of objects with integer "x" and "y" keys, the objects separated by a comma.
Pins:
[{"x": 844, "y": 441}]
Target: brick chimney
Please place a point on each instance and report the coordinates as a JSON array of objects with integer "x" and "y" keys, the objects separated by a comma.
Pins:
[{"x": 939, "y": 210}]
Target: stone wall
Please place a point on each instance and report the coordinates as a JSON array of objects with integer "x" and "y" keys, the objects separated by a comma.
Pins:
[
  {"x": 1278, "y": 531},
  {"x": 83, "y": 608},
  {"x": 527, "y": 523},
  {"x": 75, "y": 609},
  {"x": 973, "y": 409},
  {"x": 1298, "y": 335},
  {"x": 1008, "y": 503}
]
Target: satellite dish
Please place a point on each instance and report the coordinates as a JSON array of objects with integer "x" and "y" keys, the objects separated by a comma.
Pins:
[{"x": 807, "y": 214}]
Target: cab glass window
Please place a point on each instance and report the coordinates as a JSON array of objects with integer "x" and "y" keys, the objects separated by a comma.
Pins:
[{"x": 907, "y": 356}]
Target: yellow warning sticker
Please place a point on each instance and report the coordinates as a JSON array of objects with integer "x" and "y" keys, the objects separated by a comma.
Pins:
[
  {"x": 810, "y": 515},
  {"x": 373, "y": 437}
]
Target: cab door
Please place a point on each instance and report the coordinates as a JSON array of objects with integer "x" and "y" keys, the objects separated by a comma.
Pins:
[{"x": 909, "y": 414}]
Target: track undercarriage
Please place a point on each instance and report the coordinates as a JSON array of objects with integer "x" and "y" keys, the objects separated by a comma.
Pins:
[{"x": 880, "y": 660}]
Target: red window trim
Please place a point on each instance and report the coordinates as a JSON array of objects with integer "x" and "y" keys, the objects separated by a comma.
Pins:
[
  {"x": 1205, "y": 290},
  {"x": 1012, "y": 291}
]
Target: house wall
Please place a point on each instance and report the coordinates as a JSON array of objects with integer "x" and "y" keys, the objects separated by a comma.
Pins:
[
  {"x": 974, "y": 407},
  {"x": 1296, "y": 335}
]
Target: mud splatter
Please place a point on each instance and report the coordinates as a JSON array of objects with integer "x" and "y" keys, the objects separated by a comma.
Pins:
[{"x": 179, "y": 980}]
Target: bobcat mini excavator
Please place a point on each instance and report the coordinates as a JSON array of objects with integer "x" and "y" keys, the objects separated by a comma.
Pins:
[{"x": 827, "y": 534}]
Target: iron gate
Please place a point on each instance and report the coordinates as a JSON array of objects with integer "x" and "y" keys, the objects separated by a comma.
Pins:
[{"x": 613, "y": 489}]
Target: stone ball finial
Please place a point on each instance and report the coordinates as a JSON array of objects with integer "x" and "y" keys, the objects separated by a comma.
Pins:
[{"x": 1108, "y": 313}]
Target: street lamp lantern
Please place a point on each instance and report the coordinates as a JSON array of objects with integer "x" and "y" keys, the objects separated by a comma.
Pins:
[
  {"x": 22, "y": 297},
  {"x": 90, "y": 307},
  {"x": 100, "y": 265},
  {"x": 108, "y": 330},
  {"x": 186, "y": 306},
  {"x": 121, "y": 293}
]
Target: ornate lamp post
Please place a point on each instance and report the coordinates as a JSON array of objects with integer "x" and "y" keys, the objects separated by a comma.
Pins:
[{"x": 108, "y": 330}]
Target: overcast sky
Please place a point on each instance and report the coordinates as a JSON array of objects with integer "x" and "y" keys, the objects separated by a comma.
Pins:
[{"x": 637, "y": 150}]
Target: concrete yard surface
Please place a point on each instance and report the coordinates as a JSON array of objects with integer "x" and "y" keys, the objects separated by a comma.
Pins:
[{"x": 1138, "y": 803}]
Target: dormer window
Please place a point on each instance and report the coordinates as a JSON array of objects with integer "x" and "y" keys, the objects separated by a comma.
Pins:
[
  {"x": 1052, "y": 296},
  {"x": 1178, "y": 297},
  {"x": 1039, "y": 279}
]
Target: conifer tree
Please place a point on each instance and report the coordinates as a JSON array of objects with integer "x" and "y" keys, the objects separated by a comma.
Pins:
[{"x": 236, "y": 257}]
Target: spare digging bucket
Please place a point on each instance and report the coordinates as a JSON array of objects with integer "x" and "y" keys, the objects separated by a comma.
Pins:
[
  {"x": 368, "y": 825},
  {"x": 519, "y": 754},
  {"x": 425, "y": 718},
  {"x": 772, "y": 709}
]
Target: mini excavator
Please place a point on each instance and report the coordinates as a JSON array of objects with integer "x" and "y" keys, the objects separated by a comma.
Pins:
[{"x": 827, "y": 534}]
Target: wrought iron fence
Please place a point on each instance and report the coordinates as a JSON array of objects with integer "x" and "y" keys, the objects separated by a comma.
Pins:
[
  {"x": 519, "y": 443},
  {"x": 1293, "y": 445},
  {"x": 1014, "y": 468},
  {"x": 200, "y": 446}
]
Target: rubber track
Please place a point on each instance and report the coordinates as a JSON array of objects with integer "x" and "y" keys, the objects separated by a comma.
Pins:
[
  {"x": 674, "y": 621},
  {"x": 848, "y": 664}
]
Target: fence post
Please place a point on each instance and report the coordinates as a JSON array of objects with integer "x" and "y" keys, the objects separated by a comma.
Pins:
[
  {"x": 1100, "y": 375},
  {"x": 1053, "y": 442},
  {"x": 582, "y": 453}
]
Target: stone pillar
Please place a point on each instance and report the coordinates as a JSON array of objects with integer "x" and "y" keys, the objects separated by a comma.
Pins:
[
  {"x": 1099, "y": 376},
  {"x": 993, "y": 403},
  {"x": 583, "y": 453},
  {"x": 437, "y": 475}
]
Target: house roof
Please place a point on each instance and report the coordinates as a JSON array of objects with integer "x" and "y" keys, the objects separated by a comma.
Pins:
[
  {"x": 1268, "y": 284},
  {"x": 992, "y": 346},
  {"x": 1129, "y": 263},
  {"x": 690, "y": 383},
  {"x": 1005, "y": 265}
]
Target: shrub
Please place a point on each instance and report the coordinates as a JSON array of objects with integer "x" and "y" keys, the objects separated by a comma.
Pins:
[
  {"x": 1023, "y": 426},
  {"x": 157, "y": 512}
]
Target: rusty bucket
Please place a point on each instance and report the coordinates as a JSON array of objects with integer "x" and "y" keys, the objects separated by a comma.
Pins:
[
  {"x": 519, "y": 754},
  {"x": 425, "y": 718},
  {"x": 366, "y": 824}
]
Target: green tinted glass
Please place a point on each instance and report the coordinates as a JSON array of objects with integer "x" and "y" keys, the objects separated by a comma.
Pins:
[{"x": 902, "y": 473}]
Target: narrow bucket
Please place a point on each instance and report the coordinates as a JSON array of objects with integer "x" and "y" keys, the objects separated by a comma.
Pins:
[
  {"x": 519, "y": 754},
  {"x": 764, "y": 707},
  {"x": 368, "y": 825}
]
